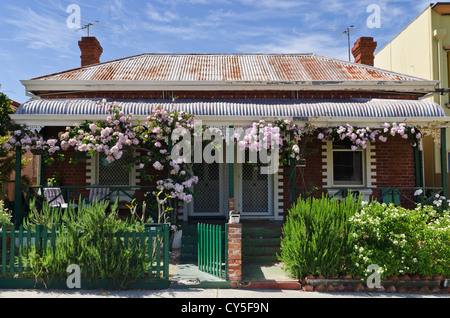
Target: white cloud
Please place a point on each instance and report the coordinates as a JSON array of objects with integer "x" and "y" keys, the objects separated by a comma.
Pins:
[
  {"x": 40, "y": 30},
  {"x": 274, "y": 4},
  {"x": 292, "y": 44},
  {"x": 160, "y": 15}
]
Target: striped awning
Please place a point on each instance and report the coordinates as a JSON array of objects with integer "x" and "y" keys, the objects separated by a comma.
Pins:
[{"x": 300, "y": 109}]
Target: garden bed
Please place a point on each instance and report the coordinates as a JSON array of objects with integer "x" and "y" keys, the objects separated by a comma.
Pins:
[
  {"x": 108, "y": 252},
  {"x": 394, "y": 284},
  {"x": 331, "y": 245}
]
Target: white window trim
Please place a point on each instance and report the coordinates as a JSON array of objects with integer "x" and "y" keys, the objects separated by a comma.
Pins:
[
  {"x": 369, "y": 173},
  {"x": 92, "y": 177},
  {"x": 364, "y": 164}
]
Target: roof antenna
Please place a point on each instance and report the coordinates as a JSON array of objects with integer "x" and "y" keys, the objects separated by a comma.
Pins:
[
  {"x": 87, "y": 26},
  {"x": 97, "y": 25},
  {"x": 347, "y": 31}
]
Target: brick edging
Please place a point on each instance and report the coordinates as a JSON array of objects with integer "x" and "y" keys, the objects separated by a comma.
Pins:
[{"x": 437, "y": 285}]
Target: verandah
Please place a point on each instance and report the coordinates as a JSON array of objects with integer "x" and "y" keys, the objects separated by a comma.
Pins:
[{"x": 119, "y": 134}]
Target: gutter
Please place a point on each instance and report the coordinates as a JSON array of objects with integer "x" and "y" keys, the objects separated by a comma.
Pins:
[{"x": 425, "y": 86}]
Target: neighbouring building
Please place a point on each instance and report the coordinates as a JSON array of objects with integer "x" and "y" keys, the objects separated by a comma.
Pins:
[
  {"x": 29, "y": 173},
  {"x": 421, "y": 49}
]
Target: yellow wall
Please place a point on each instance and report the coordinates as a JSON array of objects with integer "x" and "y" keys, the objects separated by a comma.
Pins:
[
  {"x": 414, "y": 51},
  {"x": 409, "y": 52}
]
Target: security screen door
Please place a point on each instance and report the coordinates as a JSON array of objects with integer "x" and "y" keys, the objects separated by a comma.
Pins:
[
  {"x": 211, "y": 191},
  {"x": 255, "y": 191}
]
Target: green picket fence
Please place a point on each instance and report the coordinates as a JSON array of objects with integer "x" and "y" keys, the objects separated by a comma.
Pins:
[
  {"x": 212, "y": 249},
  {"x": 153, "y": 243}
]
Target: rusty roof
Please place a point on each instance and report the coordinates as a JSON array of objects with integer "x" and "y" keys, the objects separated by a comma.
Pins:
[{"x": 228, "y": 68}]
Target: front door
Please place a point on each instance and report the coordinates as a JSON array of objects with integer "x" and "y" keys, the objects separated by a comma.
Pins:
[
  {"x": 211, "y": 191},
  {"x": 255, "y": 191}
]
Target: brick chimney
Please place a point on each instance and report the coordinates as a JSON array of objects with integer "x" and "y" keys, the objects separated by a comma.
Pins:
[
  {"x": 363, "y": 50},
  {"x": 91, "y": 50}
]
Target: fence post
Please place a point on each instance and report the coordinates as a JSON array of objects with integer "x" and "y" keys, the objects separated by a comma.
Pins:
[
  {"x": 166, "y": 251},
  {"x": 292, "y": 175},
  {"x": 235, "y": 254}
]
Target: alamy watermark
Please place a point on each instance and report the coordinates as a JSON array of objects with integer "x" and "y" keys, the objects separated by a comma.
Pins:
[
  {"x": 74, "y": 19},
  {"x": 374, "y": 279},
  {"x": 374, "y": 19},
  {"x": 254, "y": 146},
  {"x": 74, "y": 279}
]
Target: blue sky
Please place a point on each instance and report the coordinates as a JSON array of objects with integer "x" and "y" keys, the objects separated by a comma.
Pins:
[{"x": 35, "y": 39}]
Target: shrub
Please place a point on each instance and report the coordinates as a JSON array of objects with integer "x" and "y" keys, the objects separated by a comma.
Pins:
[
  {"x": 317, "y": 236},
  {"x": 87, "y": 237},
  {"x": 5, "y": 216},
  {"x": 400, "y": 241}
]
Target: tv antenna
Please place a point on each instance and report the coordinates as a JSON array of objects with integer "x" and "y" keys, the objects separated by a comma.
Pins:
[
  {"x": 347, "y": 31},
  {"x": 87, "y": 26},
  {"x": 90, "y": 23},
  {"x": 96, "y": 25}
]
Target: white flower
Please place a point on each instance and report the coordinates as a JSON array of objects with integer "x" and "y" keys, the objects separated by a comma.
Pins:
[
  {"x": 418, "y": 192},
  {"x": 158, "y": 166}
]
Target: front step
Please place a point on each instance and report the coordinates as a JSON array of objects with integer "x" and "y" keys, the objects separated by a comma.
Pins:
[
  {"x": 189, "y": 240},
  {"x": 189, "y": 251},
  {"x": 260, "y": 243}
]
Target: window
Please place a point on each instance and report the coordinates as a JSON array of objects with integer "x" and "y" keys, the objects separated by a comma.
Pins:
[
  {"x": 348, "y": 167},
  {"x": 114, "y": 173}
]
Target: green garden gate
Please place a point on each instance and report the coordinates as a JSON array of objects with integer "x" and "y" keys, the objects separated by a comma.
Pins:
[{"x": 213, "y": 249}]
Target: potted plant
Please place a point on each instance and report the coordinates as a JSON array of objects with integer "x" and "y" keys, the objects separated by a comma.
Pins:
[
  {"x": 55, "y": 180},
  {"x": 177, "y": 235},
  {"x": 5, "y": 222}
]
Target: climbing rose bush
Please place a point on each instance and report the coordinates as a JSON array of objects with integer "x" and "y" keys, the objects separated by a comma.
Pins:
[
  {"x": 121, "y": 135},
  {"x": 360, "y": 137}
]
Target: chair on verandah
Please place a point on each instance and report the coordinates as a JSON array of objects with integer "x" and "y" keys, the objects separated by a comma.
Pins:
[
  {"x": 98, "y": 194},
  {"x": 55, "y": 198}
]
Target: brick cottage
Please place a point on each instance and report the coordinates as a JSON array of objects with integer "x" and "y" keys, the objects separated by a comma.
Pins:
[{"x": 235, "y": 90}]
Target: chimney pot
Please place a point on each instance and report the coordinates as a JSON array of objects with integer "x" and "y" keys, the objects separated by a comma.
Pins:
[
  {"x": 363, "y": 50},
  {"x": 91, "y": 50}
]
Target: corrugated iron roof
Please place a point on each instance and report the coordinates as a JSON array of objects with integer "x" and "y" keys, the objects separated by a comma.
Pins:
[
  {"x": 355, "y": 107},
  {"x": 228, "y": 67}
]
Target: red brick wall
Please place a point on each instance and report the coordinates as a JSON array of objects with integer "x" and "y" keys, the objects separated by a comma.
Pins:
[
  {"x": 305, "y": 177},
  {"x": 71, "y": 174},
  {"x": 395, "y": 166},
  {"x": 234, "y": 254}
]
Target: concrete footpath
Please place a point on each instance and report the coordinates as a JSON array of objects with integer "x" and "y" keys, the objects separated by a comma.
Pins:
[{"x": 197, "y": 293}]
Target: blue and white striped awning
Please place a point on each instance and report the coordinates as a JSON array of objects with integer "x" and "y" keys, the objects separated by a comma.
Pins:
[
  {"x": 338, "y": 109},
  {"x": 244, "y": 107}
]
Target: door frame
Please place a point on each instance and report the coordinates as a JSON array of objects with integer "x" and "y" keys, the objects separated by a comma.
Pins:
[
  {"x": 239, "y": 188},
  {"x": 223, "y": 202}
]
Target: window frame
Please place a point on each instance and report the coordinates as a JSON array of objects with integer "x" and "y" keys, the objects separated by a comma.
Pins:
[
  {"x": 97, "y": 176},
  {"x": 363, "y": 172}
]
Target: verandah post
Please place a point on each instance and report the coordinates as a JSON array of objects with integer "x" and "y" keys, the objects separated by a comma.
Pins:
[
  {"x": 230, "y": 155},
  {"x": 292, "y": 174},
  {"x": 444, "y": 161},
  {"x": 418, "y": 165},
  {"x": 18, "y": 212}
]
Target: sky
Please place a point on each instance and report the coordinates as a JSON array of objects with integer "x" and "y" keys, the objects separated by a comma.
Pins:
[{"x": 36, "y": 40}]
